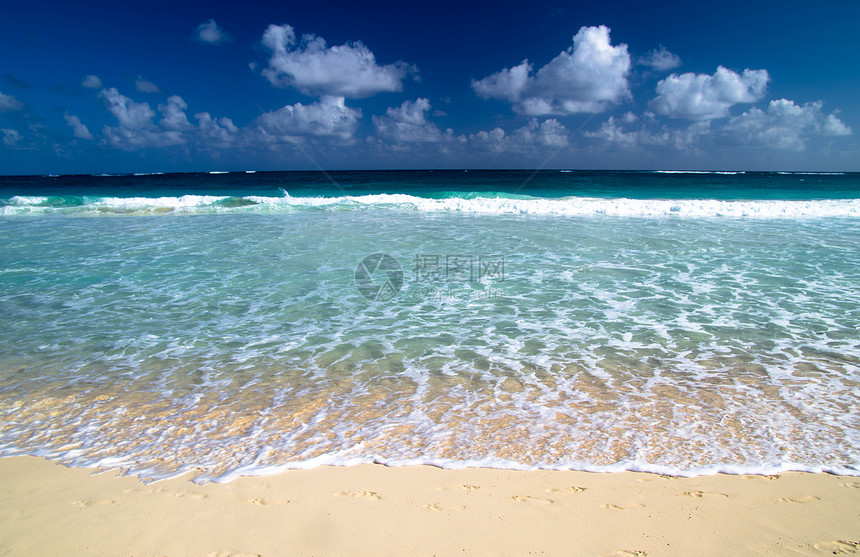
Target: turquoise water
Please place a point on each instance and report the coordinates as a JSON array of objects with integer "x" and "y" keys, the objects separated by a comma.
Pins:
[{"x": 232, "y": 323}]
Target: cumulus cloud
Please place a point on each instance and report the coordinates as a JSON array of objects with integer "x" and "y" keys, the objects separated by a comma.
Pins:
[
  {"x": 173, "y": 114},
  {"x": 11, "y": 138},
  {"x": 587, "y": 77},
  {"x": 328, "y": 117},
  {"x": 8, "y": 103},
  {"x": 630, "y": 131},
  {"x": 130, "y": 115},
  {"x": 550, "y": 133},
  {"x": 137, "y": 128},
  {"x": 216, "y": 131},
  {"x": 784, "y": 125},
  {"x": 661, "y": 59},
  {"x": 705, "y": 97},
  {"x": 145, "y": 86},
  {"x": 348, "y": 70},
  {"x": 78, "y": 128},
  {"x": 210, "y": 33},
  {"x": 408, "y": 124},
  {"x": 91, "y": 82}
]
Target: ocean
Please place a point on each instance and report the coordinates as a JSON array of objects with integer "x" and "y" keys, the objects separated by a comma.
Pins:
[{"x": 243, "y": 323}]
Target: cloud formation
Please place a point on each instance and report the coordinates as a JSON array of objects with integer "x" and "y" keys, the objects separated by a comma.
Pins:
[
  {"x": 784, "y": 125},
  {"x": 705, "y": 97},
  {"x": 173, "y": 114},
  {"x": 130, "y": 115},
  {"x": 348, "y": 70},
  {"x": 136, "y": 127},
  {"x": 587, "y": 77},
  {"x": 630, "y": 131},
  {"x": 215, "y": 132},
  {"x": 91, "y": 82},
  {"x": 8, "y": 103},
  {"x": 408, "y": 124},
  {"x": 210, "y": 33},
  {"x": 661, "y": 60},
  {"x": 78, "y": 128},
  {"x": 145, "y": 86},
  {"x": 11, "y": 138},
  {"x": 329, "y": 117},
  {"x": 550, "y": 133}
]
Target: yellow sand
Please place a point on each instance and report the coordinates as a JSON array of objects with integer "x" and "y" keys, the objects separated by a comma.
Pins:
[{"x": 47, "y": 509}]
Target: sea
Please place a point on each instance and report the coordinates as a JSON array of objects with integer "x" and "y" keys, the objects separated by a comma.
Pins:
[{"x": 244, "y": 323}]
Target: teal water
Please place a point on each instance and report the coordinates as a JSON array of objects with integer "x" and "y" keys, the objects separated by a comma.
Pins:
[{"x": 231, "y": 323}]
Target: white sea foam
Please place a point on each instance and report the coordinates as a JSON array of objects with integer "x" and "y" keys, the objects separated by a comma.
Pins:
[
  {"x": 27, "y": 200},
  {"x": 725, "y": 172},
  {"x": 813, "y": 173},
  {"x": 567, "y": 206}
]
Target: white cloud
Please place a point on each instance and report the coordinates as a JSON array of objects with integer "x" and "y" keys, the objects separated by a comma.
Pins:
[
  {"x": 661, "y": 59},
  {"x": 130, "y": 115},
  {"x": 509, "y": 84},
  {"x": 8, "y": 103},
  {"x": 129, "y": 140},
  {"x": 220, "y": 131},
  {"x": 328, "y": 117},
  {"x": 79, "y": 129},
  {"x": 92, "y": 82},
  {"x": 784, "y": 125},
  {"x": 704, "y": 97},
  {"x": 647, "y": 133},
  {"x": 173, "y": 114},
  {"x": 145, "y": 86},
  {"x": 408, "y": 124},
  {"x": 209, "y": 32},
  {"x": 550, "y": 133},
  {"x": 348, "y": 70},
  {"x": 10, "y": 137},
  {"x": 587, "y": 77},
  {"x": 137, "y": 128}
]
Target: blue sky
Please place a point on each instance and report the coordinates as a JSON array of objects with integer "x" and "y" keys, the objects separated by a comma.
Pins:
[{"x": 195, "y": 86}]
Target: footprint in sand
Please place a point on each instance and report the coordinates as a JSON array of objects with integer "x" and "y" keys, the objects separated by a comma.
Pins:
[
  {"x": 805, "y": 499},
  {"x": 529, "y": 499},
  {"x": 760, "y": 477},
  {"x": 701, "y": 494},
  {"x": 855, "y": 485},
  {"x": 436, "y": 507},
  {"x": 159, "y": 491},
  {"x": 571, "y": 489},
  {"x": 88, "y": 503},
  {"x": 839, "y": 547},
  {"x": 621, "y": 507},
  {"x": 183, "y": 494},
  {"x": 359, "y": 494},
  {"x": 264, "y": 502}
]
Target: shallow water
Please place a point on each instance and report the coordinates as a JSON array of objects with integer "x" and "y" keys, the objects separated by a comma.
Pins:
[{"x": 240, "y": 342}]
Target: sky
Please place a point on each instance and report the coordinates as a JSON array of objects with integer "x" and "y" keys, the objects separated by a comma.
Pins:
[{"x": 106, "y": 86}]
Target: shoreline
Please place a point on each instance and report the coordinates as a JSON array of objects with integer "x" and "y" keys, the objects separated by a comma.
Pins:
[{"x": 366, "y": 509}]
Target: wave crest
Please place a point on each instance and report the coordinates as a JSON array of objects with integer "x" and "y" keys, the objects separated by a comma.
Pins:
[{"x": 461, "y": 202}]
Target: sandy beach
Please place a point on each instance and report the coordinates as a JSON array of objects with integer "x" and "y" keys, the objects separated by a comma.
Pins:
[{"x": 48, "y": 509}]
